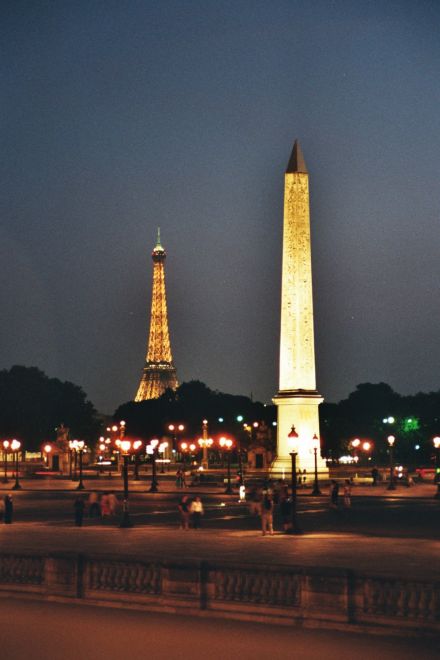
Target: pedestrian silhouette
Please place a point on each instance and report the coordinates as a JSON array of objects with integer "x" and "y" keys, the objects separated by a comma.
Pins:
[
  {"x": 9, "y": 507},
  {"x": 79, "y": 506}
]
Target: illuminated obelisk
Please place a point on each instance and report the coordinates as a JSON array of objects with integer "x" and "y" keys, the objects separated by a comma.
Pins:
[{"x": 297, "y": 400}]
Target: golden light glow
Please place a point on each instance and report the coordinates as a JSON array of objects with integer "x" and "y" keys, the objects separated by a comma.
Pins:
[
  {"x": 436, "y": 442},
  {"x": 15, "y": 445},
  {"x": 297, "y": 399},
  {"x": 159, "y": 371},
  {"x": 391, "y": 440},
  {"x": 125, "y": 446},
  {"x": 47, "y": 448}
]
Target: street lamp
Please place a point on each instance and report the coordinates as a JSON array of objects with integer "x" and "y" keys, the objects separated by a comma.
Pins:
[
  {"x": 293, "y": 444},
  {"x": 152, "y": 449},
  {"x": 391, "y": 440},
  {"x": 176, "y": 429},
  {"x": 316, "y": 445},
  {"x": 205, "y": 442},
  {"x": 436, "y": 442},
  {"x": 5, "y": 444},
  {"x": 78, "y": 447},
  {"x": 226, "y": 444},
  {"x": 136, "y": 446},
  {"x": 161, "y": 449},
  {"x": 72, "y": 451},
  {"x": 125, "y": 446},
  {"x": 187, "y": 449},
  {"x": 355, "y": 444},
  {"x": 15, "y": 446},
  {"x": 47, "y": 449}
]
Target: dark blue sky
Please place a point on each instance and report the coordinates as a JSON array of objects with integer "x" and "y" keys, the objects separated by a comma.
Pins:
[{"x": 117, "y": 117}]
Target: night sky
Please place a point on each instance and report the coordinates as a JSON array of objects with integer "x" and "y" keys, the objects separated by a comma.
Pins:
[{"x": 119, "y": 117}]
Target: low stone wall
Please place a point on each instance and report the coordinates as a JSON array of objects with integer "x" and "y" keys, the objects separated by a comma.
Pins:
[{"x": 290, "y": 595}]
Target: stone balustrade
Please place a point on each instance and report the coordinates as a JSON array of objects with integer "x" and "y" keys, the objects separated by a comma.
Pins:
[{"x": 291, "y": 595}]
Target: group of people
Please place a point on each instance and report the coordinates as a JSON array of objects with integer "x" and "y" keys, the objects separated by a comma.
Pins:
[
  {"x": 263, "y": 503},
  {"x": 191, "y": 512},
  {"x": 99, "y": 506},
  {"x": 334, "y": 494}
]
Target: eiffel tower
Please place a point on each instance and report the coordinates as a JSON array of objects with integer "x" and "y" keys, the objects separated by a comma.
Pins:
[{"x": 159, "y": 372}]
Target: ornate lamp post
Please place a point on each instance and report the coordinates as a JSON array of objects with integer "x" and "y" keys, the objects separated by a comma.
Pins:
[
  {"x": 15, "y": 447},
  {"x": 73, "y": 459},
  {"x": 125, "y": 447},
  {"x": 391, "y": 440},
  {"x": 293, "y": 443},
  {"x": 316, "y": 445},
  {"x": 47, "y": 450},
  {"x": 226, "y": 445},
  {"x": 175, "y": 429},
  {"x": 436, "y": 442},
  {"x": 187, "y": 450},
  {"x": 152, "y": 449},
  {"x": 355, "y": 444},
  {"x": 78, "y": 447},
  {"x": 161, "y": 449},
  {"x": 205, "y": 442},
  {"x": 5, "y": 444},
  {"x": 136, "y": 446}
]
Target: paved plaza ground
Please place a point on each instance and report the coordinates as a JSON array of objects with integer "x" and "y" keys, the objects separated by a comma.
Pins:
[
  {"x": 384, "y": 533},
  {"x": 48, "y": 631}
]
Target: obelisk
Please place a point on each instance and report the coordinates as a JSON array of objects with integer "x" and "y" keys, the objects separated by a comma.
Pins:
[{"x": 297, "y": 400}]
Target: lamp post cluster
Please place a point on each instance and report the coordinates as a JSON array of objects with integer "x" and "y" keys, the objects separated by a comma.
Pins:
[
  {"x": 77, "y": 448},
  {"x": 13, "y": 447},
  {"x": 226, "y": 445},
  {"x": 391, "y": 440},
  {"x": 293, "y": 444},
  {"x": 358, "y": 445},
  {"x": 126, "y": 447},
  {"x": 205, "y": 443},
  {"x": 315, "y": 446}
]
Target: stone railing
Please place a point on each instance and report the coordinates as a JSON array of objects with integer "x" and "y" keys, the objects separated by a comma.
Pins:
[{"x": 319, "y": 597}]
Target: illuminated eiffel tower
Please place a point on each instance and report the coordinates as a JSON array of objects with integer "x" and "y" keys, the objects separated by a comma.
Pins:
[{"x": 159, "y": 372}]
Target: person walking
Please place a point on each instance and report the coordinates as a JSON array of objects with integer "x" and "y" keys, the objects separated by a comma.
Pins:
[
  {"x": 94, "y": 508},
  {"x": 196, "y": 510},
  {"x": 286, "y": 511},
  {"x": 347, "y": 494},
  {"x": 184, "y": 511},
  {"x": 267, "y": 514},
  {"x": 179, "y": 479},
  {"x": 8, "y": 509},
  {"x": 334, "y": 494},
  {"x": 254, "y": 502},
  {"x": 105, "y": 505},
  {"x": 79, "y": 507},
  {"x": 112, "y": 503}
]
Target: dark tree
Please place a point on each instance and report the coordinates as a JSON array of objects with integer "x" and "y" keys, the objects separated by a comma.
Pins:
[
  {"x": 33, "y": 405},
  {"x": 190, "y": 404}
]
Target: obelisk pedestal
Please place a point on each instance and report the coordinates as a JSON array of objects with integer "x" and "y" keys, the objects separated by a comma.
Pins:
[{"x": 297, "y": 399}]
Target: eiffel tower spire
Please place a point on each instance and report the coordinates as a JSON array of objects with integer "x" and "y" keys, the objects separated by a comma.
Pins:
[{"x": 159, "y": 371}]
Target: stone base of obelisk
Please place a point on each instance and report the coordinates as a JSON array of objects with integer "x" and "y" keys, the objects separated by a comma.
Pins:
[{"x": 298, "y": 408}]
